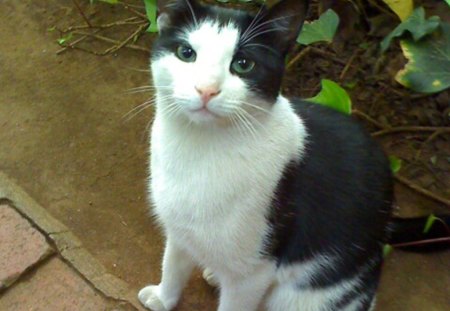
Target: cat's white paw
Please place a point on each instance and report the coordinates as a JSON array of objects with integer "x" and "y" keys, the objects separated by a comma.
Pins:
[
  {"x": 210, "y": 278},
  {"x": 149, "y": 297}
]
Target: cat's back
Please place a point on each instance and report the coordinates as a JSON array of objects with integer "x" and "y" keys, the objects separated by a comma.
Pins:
[{"x": 340, "y": 192}]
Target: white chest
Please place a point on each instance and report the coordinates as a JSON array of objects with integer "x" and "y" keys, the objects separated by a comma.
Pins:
[{"x": 213, "y": 197}]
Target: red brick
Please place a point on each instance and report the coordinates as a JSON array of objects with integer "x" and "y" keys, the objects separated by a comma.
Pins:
[
  {"x": 21, "y": 245},
  {"x": 54, "y": 287}
]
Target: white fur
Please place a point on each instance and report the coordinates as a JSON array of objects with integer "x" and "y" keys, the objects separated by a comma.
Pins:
[{"x": 212, "y": 179}]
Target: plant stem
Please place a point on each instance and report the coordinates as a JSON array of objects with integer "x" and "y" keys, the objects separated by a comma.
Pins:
[
  {"x": 422, "y": 242},
  {"x": 411, "y": 129},
  {"x": 297, "y": 57}
]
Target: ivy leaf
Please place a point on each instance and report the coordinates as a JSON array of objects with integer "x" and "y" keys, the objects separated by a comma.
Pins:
[
  {"x": 428, "y": 69},
  {"x": 402, "y": 8},
  {"x": 430, "y": 221},
  {"x": 416, "y": 24},
  {"x": 64, "y": 39},
  {"x": 333, "y": 96},
  {"x": 322, "y": 29},
  {"x": 151, "y": 8},
  {"x": 396, "y": 164}
]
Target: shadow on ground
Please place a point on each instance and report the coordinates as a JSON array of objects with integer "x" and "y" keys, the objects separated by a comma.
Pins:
[{"x": 64, "y": 139}]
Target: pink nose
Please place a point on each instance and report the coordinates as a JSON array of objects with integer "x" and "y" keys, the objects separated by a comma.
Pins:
[{"x": 207, "y": 92}]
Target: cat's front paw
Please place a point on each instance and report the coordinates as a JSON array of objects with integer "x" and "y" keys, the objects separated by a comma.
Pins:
[
  {"x": 210, "y": 278},
  {"x": 149, "y": 296}
]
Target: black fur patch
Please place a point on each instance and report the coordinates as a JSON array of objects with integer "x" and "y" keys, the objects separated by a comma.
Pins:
[{"x": 336, "y": 201}]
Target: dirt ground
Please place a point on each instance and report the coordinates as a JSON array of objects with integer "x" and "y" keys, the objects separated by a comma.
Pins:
[{"x": 65, "y": 140}]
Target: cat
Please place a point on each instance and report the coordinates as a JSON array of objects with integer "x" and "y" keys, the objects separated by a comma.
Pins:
[{"x": 284, "y": 203}]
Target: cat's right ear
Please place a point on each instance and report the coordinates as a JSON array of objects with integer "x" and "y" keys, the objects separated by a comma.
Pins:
[
  {"x": 287, "y": 17},
  {"x": 175, "y": 11}
]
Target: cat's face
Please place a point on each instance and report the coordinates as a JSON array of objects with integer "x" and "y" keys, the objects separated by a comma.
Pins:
[{"x": 212, "y": 64}]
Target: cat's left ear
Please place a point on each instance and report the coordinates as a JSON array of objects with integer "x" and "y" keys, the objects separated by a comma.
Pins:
[
  {"x": 173, "y": 11},
  {"x": 287, "y": 16}
]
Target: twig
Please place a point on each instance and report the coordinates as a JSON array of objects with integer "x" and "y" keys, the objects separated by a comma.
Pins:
[
  {"x": 75, "y": 2},
  {"x": 368, "y": 118},
  {"x": 76, "y": 47},
  {"x": 128, "y": 21},
  {"x": 347, "y": 66},
  {"x": 401, "y": 93},
  {"x": 382, "y": 9},
  {"x": 328, "y": 55},
  {"x": 138, "y": 31},
  {"x": 422, "y": 191},
  {"x": 411, "y": 129},
  {"x": 71, "y": 45},
  {"x": 297, "y": 57},
  {"x": 428, "y": 140},
  {"x": 109, "y": 40},
  {"x": 129, "y": 8},
  {"x": 422, "y": 242}
]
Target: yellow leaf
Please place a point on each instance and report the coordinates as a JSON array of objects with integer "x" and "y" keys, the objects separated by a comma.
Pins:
[{"x": 403, "y": 8}]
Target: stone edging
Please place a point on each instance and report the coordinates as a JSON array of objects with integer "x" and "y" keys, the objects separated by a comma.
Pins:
[{"x": 66, "y": 243}]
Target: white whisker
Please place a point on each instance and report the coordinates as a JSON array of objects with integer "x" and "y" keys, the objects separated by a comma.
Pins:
[
  {"x": 253, "y": 22},
  {"x": 259, "y": 26},
  {"x": 192, "y": 12}
]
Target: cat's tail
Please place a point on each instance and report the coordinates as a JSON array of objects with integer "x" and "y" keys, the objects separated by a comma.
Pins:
[{"x": 421, "y": 234}]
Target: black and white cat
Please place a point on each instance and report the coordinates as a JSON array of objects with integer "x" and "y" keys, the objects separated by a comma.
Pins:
[{"x": 283, "y": 202}]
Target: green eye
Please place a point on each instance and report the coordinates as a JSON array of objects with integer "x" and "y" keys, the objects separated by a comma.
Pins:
[
  {"x": 186, "y": 53},
  {"x": 242, "y": 65}
]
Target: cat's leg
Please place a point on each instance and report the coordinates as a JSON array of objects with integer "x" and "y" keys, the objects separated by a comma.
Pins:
[
  {"x": 245, "y": 292},
  {"x": 176, "y": 270}
]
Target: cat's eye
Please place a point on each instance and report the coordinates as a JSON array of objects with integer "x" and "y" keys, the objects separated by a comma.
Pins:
[
  {"x": 186, "y": 53},
  {"x": 242, "y": 65}
]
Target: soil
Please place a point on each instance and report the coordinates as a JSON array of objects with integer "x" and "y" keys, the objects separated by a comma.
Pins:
[{"x": 65, "y": 140}]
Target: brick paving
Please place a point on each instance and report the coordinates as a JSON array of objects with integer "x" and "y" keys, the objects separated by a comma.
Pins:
[
  {"x": 21, "y": 246},
  {"x": 36, "y": 275},
  {"x": 54, "y": 286}
]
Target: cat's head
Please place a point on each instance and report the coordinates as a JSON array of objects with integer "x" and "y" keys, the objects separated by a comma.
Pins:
[{"x": 211, "y": 63}]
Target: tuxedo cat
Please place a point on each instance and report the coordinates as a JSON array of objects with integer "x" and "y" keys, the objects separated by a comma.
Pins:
[{"x": 283, "y": 202}]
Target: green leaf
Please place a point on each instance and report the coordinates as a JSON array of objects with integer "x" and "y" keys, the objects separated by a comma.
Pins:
[
  {"x": 428, "y": 69},
  {"x": 448, "y": 2},
  {"x": 416, "y": 25},
  {"x": 333, "y": 96},
  {"x": 402, "y": 8},
  {"x": 322, "y": 29},
  {"x": 107, "y": 1},
  {"x": 396, "y": 164},
  {"x": 151, "y": 8},
  {"x": 64, "y": 39},
  {"x": 430, "y": 221},
  {"x": 387, "y": 249}
]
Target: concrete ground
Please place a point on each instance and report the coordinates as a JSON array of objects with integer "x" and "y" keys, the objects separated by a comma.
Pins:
[{"x": 64, "y": 140}]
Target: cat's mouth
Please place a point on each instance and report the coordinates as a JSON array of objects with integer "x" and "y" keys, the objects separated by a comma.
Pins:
[{"x": 204, "y": 111}]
